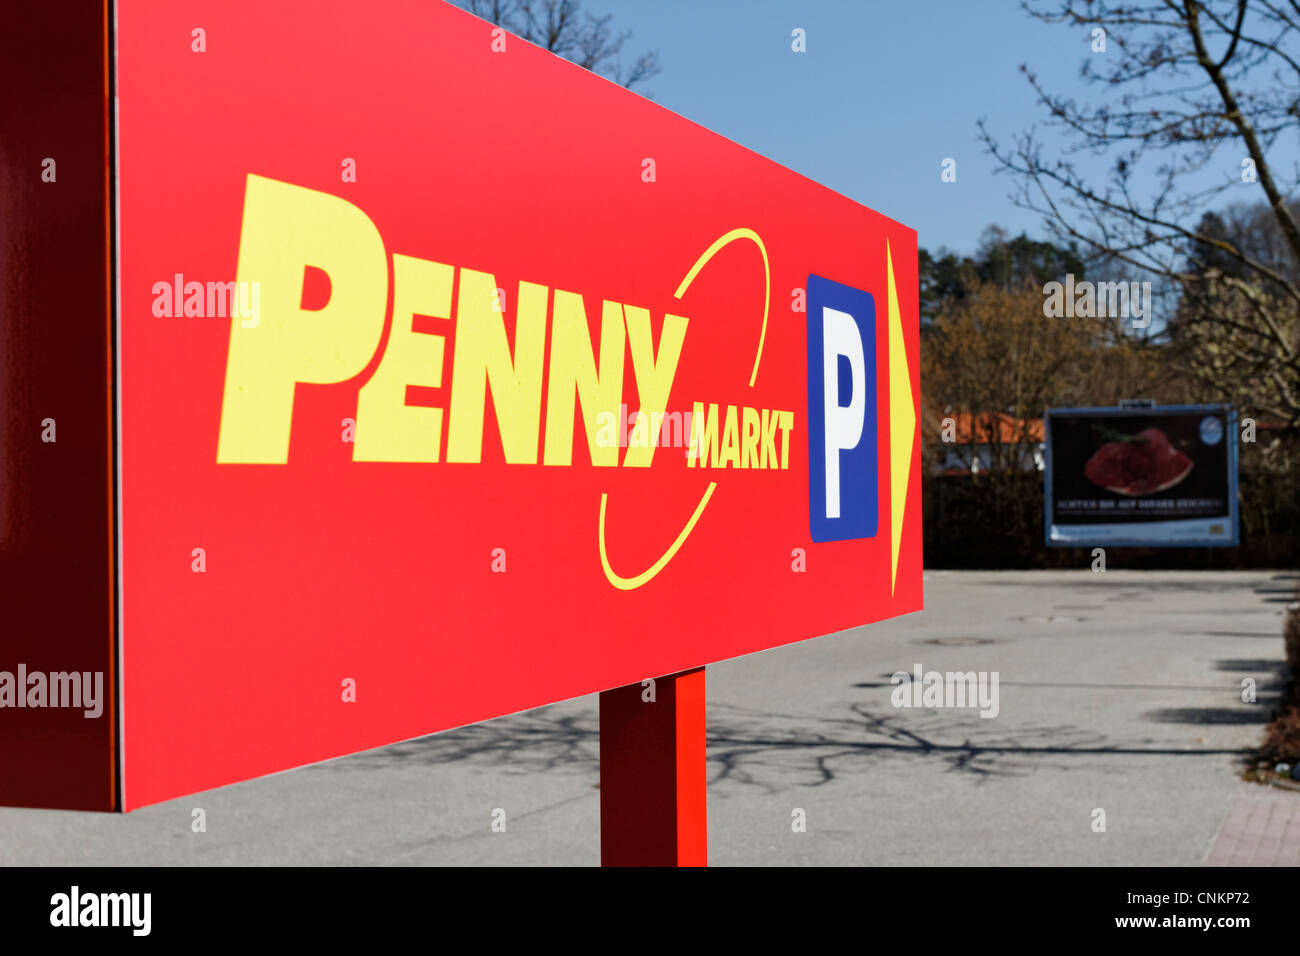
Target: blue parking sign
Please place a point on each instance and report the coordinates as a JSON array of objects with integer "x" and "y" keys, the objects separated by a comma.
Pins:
[{"x": 843, "y": 492}]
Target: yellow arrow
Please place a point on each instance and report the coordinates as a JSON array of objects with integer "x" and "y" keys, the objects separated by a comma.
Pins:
[{"x": 902, "y": 422}]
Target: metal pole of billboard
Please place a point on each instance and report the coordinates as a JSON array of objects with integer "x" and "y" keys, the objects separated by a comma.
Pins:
[{"x": 653, "y": 805}]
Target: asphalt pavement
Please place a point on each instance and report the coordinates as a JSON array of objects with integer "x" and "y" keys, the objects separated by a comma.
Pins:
[{"x": 1119, "y": 692}]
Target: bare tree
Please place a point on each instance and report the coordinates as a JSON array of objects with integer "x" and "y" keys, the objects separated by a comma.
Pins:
[
  {"x": 1187, "y": 88},
  {"x": 562, "y": 27}
]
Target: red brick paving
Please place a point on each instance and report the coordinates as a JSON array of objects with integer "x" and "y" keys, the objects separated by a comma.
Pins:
[{"x": 1262, "y": 829}]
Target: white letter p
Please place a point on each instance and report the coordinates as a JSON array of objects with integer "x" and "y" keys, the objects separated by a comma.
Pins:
[{"x": 843, "y": 422}]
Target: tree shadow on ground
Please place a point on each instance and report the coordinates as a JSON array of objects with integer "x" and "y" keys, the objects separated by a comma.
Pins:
[
  {"x": 1270, "y": 678},
  {"x": 1207, "y": 716},
  {"x": 1205, "y": 583},
  {"x": 749, "y": 747}
]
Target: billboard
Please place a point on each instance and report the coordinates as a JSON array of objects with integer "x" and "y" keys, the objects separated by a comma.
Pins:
[
  {"x": 454, "y": 380},
  {"x": 1153, "y": 477}
]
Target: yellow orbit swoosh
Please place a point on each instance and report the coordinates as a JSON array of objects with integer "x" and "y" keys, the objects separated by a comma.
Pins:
[{"x": 635, "y": 581}]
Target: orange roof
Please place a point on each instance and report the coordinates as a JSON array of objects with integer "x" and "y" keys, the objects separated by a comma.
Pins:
[{"x": 994, "y": 428}]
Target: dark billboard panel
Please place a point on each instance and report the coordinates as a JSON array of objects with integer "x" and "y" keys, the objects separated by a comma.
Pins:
[{"x": 1152, "y": 477}]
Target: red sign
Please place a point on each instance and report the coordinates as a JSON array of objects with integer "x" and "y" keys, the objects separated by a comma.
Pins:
[{"x": 455, "y": 380}]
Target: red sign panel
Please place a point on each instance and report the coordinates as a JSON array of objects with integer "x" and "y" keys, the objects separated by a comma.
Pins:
[{"x": 456, "y": 380}]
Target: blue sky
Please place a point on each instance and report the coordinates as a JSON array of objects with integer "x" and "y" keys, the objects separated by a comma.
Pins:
[{"x": 885, "y": 91}]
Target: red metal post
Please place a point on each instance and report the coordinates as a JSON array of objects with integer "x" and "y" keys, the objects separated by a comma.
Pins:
[{"x": 653, "y": 805}]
